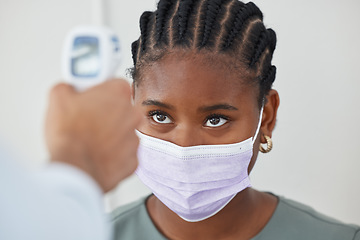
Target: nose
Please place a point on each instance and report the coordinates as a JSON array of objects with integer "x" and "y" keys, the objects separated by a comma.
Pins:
[{"x": 186, "y": 136}]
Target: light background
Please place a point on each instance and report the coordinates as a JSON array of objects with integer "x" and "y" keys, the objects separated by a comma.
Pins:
[{"x": 315, "y": 159}]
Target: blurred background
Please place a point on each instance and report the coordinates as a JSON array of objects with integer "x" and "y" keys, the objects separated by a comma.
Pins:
[{"x": 315, "y": 159}]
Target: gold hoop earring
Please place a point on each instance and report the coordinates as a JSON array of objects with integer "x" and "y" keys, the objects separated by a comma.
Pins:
[{"x": 269, "y": 145}]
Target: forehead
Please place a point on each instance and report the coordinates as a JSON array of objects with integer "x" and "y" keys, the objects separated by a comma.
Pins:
[{"x": 194, "y": 80}]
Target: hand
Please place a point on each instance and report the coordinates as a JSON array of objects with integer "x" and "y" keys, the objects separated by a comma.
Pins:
[{"x": 94, "y": 130}]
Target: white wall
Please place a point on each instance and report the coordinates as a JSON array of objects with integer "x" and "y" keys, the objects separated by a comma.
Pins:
[
  {"x": 31, "y": 36},
  {"x": 315, "y": 157}
]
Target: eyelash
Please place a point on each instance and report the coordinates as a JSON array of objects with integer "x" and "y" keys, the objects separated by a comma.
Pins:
[
  {"x": 213, "y": 115},
  {"x": 152, "y": 113}
]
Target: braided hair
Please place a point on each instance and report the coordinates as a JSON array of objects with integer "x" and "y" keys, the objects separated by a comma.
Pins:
[{"x": 229, "y": 28}]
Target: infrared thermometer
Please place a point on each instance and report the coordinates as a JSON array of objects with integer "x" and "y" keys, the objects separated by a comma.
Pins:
[{"x": 91, "y": 55}]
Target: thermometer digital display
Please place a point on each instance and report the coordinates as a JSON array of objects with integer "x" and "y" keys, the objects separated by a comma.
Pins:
[{"x": 91, "y": 55}]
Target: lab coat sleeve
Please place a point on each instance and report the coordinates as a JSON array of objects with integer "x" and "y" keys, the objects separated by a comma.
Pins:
[{"x": 58, "y": 202}]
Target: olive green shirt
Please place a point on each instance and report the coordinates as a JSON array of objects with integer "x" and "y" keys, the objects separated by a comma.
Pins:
[{"x": 291, "y": 221}]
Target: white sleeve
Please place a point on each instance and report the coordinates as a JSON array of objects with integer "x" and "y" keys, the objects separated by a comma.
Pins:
[{"x": 58, "y": 203}]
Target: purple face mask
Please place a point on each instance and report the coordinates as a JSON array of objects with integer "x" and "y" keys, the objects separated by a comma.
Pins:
[{"x": 194, "y": 182}]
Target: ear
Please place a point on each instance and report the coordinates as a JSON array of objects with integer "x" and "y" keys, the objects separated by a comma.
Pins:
[{"x": 269, "y": 115}]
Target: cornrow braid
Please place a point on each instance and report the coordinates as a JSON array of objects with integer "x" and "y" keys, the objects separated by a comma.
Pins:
[
  {"x": 184, "y": 23},
  {"x": 241, "y": 13},
  {"x": 162, "y": 16},
  {"x": 214, "y": 10},
  {"x": 182, "y": 18},
  {"x": 134, "y": 50},
  {"x": 272, "y": 40},
  {"x": 260, "y": 47},
  {"x": 144, "y": 20},
  {"x": 267, "y": 80},
  {"x": 228, "y": 27}
]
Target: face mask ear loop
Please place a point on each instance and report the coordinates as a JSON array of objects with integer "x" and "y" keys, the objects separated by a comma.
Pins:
[{"x": 259, "y": 124}]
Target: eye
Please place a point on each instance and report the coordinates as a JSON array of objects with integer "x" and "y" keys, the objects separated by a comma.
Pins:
[
  {"x": 215, "y": 121},
  {"x": 160, "y": 117}
]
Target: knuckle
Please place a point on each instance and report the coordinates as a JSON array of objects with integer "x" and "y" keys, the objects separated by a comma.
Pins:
[
  {"x": 121, "y": 87},
  {"x": 59, "y": 90}
]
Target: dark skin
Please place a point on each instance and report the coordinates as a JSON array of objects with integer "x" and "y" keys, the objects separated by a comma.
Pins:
[{"x": 189, "y": 101}]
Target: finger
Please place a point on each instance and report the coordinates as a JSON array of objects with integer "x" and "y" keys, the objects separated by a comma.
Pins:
[
  {"x": 114, "y": 87},
  {"x": 131, "y": 120},
  {"x": 62, "y": 90},
  {"x": 137, "y": 116},
  {"x": 121, "y": 86}
]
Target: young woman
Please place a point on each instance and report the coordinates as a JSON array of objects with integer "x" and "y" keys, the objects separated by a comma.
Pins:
[{"x": 203, "y": 75}]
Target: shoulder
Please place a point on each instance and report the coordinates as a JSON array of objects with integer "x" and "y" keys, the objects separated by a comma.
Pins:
[
  {"x": 298, "y": 221},
  {"x": 132, "y": 221},
  {"x": 127, "y": 211}
]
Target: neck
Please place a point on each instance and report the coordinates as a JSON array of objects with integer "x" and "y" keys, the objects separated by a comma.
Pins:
[{"x": 245, "y": 216}]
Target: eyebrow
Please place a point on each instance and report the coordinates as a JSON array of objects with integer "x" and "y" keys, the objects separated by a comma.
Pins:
[
  {"x": 157, "y": 103},
  {"x": 201, "y": 109},
  {"x": 217, "y": 107}
]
